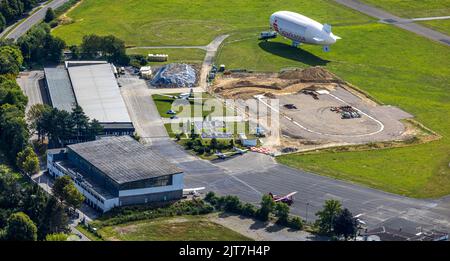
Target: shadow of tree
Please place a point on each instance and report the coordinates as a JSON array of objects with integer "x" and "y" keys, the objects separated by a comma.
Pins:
[{"x": 292, "y": 53}]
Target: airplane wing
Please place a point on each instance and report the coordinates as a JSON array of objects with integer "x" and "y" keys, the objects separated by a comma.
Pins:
[
  {"x": 193, "y": 189},
  {"x": 291, "y": 194}
]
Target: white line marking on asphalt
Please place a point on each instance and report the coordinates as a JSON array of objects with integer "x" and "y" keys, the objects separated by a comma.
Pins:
[{"x": 259, "y": 97}]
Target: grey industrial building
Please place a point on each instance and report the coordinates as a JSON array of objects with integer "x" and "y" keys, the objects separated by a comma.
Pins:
[
  {"x": 93, "y": 86},
  {"x": 117, "y": 171}
]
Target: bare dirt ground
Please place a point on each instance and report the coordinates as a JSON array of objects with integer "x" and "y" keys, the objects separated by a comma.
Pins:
[
  {"x": 261, "y": 231},
  {"x": 246, "y": 85},
  {"x": 311, "y": 124}
]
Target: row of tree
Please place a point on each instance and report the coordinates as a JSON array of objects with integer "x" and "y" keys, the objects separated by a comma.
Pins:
[
  {"x": 268, "y": 207},
  {"x": 26, "y": 211},
  {"x": 39, "y": 46},
  {"x": 106, "y": 47},
  {"x": 14, "y": 133},
  {"x": 335, "y": 221},
  {"x": 61, "y": 127},
  {"x": 201, "y": 147},
  {"x": 12, "y": 10}
]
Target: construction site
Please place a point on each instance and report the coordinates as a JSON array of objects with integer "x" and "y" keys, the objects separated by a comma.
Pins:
[{"x": 317, "y": 109}]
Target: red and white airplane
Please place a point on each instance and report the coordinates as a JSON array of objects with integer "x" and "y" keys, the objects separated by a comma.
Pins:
[{"x": 288, "y": 199}]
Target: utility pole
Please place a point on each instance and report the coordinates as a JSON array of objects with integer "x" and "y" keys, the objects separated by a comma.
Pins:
[{"x": 307, "y": 204}]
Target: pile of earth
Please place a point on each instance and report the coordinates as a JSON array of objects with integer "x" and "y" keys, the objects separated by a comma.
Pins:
[
  {"x": 247, "y": 85},
  {"x": 312, "y": 74},
  {"x": 175, "y": 75}
]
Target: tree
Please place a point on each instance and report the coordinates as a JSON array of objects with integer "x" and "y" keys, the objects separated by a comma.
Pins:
[
  {"x": 10, "y": 60},
  {"x": 35, "y": 116},
  {"x": 31, "y": 165},
  {"x": 10, "y": 189},
  {"x": 267, "y": 205},
  {"x": 2, "y": 22},
  {"x": 39, "y": 46},
  {"x": 282, "y": 212},
  {"x": 56, "y": 237},
  {"x": 74, "y": 198},
  {"x": 21, "y": 228},
  {"x": 49, "y": 15},
  {"x": 33, "y": 202},
  {"x": 75, "y": 51},
  {"x": 331, "y": 209},
  {"x": 53, "y": 219},
  {"x": 65, "y": 190},
  {"x": 109, "y": 47},
  {"x": 213, "y": 144},
  {"x": 10, "y": 92},
  {"x": 13, "y": 129},
  {"x": 80, "y": 121},
  {"x": 231, "y": 144},
  {"x": 345, "y": 225},
  {"x": 28, "y": 161},
  {"x": 232, "y": 204},
  {"x": 94, "y": 129}
]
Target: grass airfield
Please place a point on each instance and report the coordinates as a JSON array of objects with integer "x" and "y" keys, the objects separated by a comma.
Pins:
[
  {"x": 395, "y": 66},
  {"x": 417, "y": 9}
]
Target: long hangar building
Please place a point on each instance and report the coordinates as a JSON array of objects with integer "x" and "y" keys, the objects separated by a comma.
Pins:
[
  {"x": 117, "y": 171},
  {"x": 93, "y": 86}
]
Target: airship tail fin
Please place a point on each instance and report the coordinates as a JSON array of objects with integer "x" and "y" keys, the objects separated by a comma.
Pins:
[
  {"x": 327, "y": 28},
  {"x": 336, "y": 37}
]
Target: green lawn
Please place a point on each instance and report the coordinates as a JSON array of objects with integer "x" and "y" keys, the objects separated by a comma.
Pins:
[
  {"x": 413, "y": 8},
  {"x": 190, "y": 56},
  {"x": 395, "y": 66},
  {"x": 179, "y": 22},
  {"x": 442, "y": 26},
  {"x": 164, "y": 103},
  {"x": 183, "y": 228}
]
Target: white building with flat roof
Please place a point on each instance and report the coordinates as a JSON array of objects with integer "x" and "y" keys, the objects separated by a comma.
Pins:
[{"x": 93, "y": 86}]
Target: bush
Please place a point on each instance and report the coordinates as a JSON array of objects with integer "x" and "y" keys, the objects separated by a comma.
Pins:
[
  {"x": 56, "y": 237},
  {"x": 134, "y": 213},
  {"x": 53, "y": 24},
  {"x": 232, "y": 204},
  {"x": 295, "y": 223},
  {"x": 248, "y": 210},
  {"x": 189, "y": 145},
  {"x": 200, "y": 150},
  {"x": 282, "y": 213},
  {"x": 210, "y": 195}
]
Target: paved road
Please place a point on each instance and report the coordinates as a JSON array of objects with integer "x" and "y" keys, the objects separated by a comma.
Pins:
[
  {"x": 33, "y": 19},
  {"x": 203, "y": 47},
  {"x": 211, "y": 51},
  {"x": 397, "y": 21},
  {"x": 29, "y": 83}
]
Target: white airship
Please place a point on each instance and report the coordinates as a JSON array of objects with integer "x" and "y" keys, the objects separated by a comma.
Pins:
[{"x": 301, "y": 29}]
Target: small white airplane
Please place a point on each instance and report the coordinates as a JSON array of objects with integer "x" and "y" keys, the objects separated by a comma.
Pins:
[
  {"x": 288, "y": 199},
  {"x": 240, "y": 151},
  {"x": 221, "y": 155},
  {"x": 361, "y": 223},
  {"x": 236, "y": 151},
  {"x": 193, "y": 191}
]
